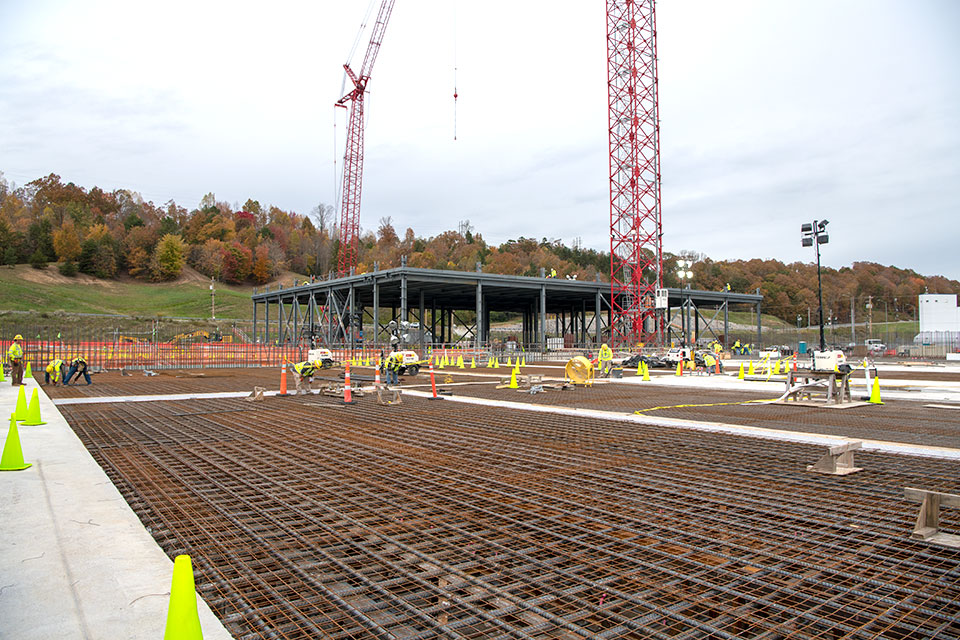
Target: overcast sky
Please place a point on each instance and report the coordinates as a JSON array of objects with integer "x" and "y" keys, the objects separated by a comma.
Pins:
[{"x": 772, "y": 113}]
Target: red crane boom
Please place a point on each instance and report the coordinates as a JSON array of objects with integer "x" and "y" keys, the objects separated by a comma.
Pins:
[
  {"x": 636, "y": 245},
  {"x": 353, "y": 155}
]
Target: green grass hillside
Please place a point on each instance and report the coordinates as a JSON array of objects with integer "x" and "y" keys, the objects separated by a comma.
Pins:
[{"x": 23, "y": 288}]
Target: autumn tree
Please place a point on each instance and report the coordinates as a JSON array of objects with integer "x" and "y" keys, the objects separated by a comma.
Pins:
[
  {"x": 67, "y": 241},
  {"x": 168, "y": 258}
]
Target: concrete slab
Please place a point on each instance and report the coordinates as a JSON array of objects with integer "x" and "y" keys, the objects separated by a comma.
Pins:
[{"x": 76, "y": 561}]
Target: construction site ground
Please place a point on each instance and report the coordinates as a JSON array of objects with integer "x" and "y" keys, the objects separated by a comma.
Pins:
[{"x": 495, "y": 513}]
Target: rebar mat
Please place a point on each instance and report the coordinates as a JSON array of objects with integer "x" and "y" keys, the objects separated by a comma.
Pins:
[{"x": 309, "y": 519}]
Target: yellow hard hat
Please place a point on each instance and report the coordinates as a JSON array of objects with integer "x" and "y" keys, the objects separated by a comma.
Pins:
[
  {"x": 50, "y": 368},
  {"x": 18, "y": 337},
  {"x": 318, "y": 363}
]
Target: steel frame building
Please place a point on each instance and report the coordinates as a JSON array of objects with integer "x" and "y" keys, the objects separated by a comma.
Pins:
[{"x": 323, "y": 311}]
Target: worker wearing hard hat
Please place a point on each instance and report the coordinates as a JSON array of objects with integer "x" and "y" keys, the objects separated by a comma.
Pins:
[
  {"x": 55, "y": 371},
  {"x": 303, "y": 372},
  {"x": 78, "y": 367},
  {"x": 392, "y": 367},
  {"x": 709, "y": 362},
  {"x": 15, "y": 355},
  {"x": 606, "y": 360}
]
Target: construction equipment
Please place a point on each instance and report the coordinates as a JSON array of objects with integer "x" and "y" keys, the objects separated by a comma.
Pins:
[
  {"x": 579, "y": 370},
  {"x": 636, "y": 245},
  {"x": 353, "y": 155},
  {"x": 324, "y": 356},
  {"x": 199, "y": 333},
  {"x": 411, "y": 363}
]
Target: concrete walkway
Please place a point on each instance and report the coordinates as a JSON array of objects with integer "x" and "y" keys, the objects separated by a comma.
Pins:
[{"x": 75, "y": 561}]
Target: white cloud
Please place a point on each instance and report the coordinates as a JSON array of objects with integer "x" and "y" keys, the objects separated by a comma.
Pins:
[{"x": 772, "y": 114}]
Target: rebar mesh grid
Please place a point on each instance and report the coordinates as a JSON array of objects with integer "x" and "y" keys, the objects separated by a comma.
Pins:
[{"x": 306, "y": 519}]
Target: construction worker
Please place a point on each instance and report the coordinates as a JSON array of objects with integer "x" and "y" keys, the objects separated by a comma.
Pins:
[
  {"x": 15, "y": 354},
  {"x": 392, "y": 366},
  {"x": 304, "y": 371},
  {"x": 55, "y": 370},
  {"x": 606, "y": 360},
  {"x": 78, "y": 366},
  {"x": 709, "y": 362},
  {"x": 553, "y": 272},
  {"x": 737, "y": 349}
]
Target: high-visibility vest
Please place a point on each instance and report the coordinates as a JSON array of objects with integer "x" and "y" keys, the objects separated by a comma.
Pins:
[
  {"x": 15, "y": 352},
  {"x": 304, "y": 369}
]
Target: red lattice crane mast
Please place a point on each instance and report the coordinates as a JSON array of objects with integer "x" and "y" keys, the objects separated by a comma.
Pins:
[
  {"x": 636, "y": 245},
  {"x": 353, "y": 156}
]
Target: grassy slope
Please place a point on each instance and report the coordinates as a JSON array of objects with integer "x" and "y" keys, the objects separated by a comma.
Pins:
[{"x": 192, "y": 299}]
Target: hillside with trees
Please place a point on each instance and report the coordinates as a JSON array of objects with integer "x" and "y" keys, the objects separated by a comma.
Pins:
[{"x": 118, "y": 233}]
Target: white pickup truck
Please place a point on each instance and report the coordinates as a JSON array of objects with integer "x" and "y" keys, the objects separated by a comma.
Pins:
[{"x": 874, "y": 345}]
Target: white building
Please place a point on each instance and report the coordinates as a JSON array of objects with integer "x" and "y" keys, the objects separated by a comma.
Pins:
[{"x": 939, "y": 312}]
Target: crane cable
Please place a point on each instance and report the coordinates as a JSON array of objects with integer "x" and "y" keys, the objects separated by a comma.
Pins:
[{"x": 454, "y": 70}]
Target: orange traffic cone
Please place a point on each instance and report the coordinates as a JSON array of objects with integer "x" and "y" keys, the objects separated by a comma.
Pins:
[
  {"x": 347, "y": 396},
  {"x": 433, "y": 385},
  {"x": 376, "y": 377},
  {"x": 283, "y": 380},
  {"x": 717, "y": 367}
]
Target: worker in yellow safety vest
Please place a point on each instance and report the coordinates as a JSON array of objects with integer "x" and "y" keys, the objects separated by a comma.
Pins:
[
  {"x": 303, "y": 373},
  {"x": 78, "y": 367},
  {"x": 54, "y": 370},
  {"x": 15, "y": 354},
  {"x": 392, "y": 366},
  {"x": 606, "y": 360},
  {"x": 709, "y": 362}
]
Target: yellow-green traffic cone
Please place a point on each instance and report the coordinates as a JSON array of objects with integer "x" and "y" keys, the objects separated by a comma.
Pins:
[
  {"x": 496, "y": 363},
  {"x": 33, "y": 411},
  {"x": 513, "y": 379},
  {"x": 183, "y": 620},
  {"x": 2, "y": 379},
  {"x": 875, "y": 392},
  {"x": 460, "y": 362},
  {"x": 473, "y": 363},
  {"x": 679, "y": 368},
  {"x": 640, "y": 368},
  {"x": 646, "y": 372},
  {"x": 12, "y": 458},
  {"x": 751, "y": 371},
  {"x": 21, "y": 411},
  {"x": 524, "y": 361},
  {"x": 740, "y": 375},
  {"x": 28, "y": 373},
  {"x": 776, "y": 368}
]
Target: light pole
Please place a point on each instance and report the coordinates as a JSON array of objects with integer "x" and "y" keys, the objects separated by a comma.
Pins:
[
  {"x": 799, "y": 317},
  {"x": 816, "y": 234},
  {"x": 213, "y": 315},
  {"x": 685, "y": 275}
]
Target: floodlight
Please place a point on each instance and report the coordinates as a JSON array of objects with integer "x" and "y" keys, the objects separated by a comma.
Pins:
[
  {"x": 823, "y": 238},
  {"x": 823, "y": 224},
  {"x": 806, "y": 228},
  {"x": 807, "y": 242}
]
